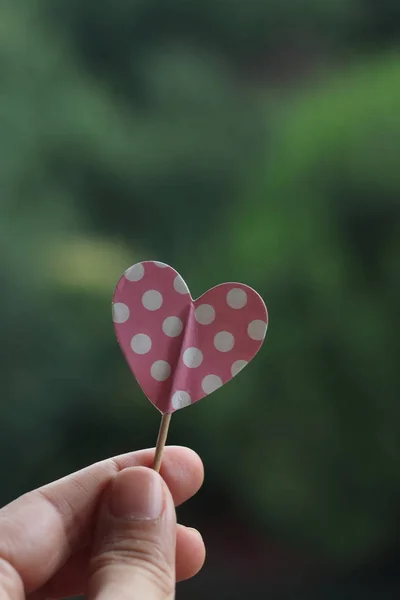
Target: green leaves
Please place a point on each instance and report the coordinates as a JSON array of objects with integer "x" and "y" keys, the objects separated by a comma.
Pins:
[{"x": 324, "y": 417}]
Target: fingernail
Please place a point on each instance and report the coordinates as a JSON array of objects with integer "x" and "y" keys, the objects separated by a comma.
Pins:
[
  {"x": 196, "y": 532},
  {"x": 137, "y": 493}
]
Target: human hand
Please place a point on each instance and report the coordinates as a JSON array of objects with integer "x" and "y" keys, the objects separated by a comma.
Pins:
[{"x": 108, "y": 531}]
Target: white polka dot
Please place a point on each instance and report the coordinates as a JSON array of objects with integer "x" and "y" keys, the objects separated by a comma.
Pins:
[
  {"x": 152, "y": 300},
  {"x": 204, "y": 314},
  {"x": 135, "y": 273},
  {"x": 224, "y": 341},
  {"x": 141, "y": 343},
  {"x": 238, "y": 366},
  {"x": 160, "y": 370},
  {"x": 257, "y": 330},
  {"x": 236, "y": 298},
  {"x": 160, "y": 264},
  {"x": 211, "y": 383},
  {"x": 120, "y": 312},
  {"x": 172, "y": 326},
  {"x": 180, "y": 399},
  {"x": 180, "y": 286},
  {"x": 192, "y": 358}
]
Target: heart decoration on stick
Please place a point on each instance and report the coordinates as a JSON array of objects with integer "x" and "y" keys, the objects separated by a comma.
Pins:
[{"x": 179, "y": 349}]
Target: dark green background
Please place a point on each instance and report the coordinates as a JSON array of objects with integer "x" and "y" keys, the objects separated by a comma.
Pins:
[{"x": 246, "y": 140}]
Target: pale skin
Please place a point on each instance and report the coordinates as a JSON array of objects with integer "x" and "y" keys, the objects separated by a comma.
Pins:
[{"x": 108, "y": 531}]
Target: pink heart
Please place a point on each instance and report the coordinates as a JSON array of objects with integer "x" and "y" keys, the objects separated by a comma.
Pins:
[{"x": 180, "y": 349}]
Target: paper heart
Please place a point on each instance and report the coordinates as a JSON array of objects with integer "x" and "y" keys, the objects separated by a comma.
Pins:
[{"x": 179, "y": 349}]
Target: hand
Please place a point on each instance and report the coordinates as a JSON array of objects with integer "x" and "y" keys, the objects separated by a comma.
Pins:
[{"x": 108, "y": 531}]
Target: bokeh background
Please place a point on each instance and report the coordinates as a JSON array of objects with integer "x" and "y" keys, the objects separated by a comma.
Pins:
[{"x": 239, "y": 140}]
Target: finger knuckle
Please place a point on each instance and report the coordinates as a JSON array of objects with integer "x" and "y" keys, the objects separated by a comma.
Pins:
[{"x": 144, "y": 557}]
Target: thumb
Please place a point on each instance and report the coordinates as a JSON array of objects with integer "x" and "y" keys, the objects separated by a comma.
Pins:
[{"x": 134, "y": 549}]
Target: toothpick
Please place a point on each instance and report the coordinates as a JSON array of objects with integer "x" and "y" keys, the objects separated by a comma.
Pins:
[{"x": 161, "y": 439}]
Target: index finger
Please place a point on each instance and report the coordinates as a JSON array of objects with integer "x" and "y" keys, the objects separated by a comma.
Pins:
[{"x": 39, "y": 530}]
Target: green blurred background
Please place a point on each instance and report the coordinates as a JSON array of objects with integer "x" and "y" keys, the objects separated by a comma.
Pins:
[{"x": 249, "y": 140}]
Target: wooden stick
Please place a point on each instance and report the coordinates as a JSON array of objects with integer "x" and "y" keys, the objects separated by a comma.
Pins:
[{"x": 161, "y": 439}]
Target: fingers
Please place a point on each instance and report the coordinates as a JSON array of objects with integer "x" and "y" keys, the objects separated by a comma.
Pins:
[
  {"x": 134, "y": 551},
  {"x": 190, "y": 552},
  {"x": 39, "y": 531}
]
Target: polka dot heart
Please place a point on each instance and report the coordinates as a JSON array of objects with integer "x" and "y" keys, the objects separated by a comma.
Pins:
[{"x": 179, "y": 349}]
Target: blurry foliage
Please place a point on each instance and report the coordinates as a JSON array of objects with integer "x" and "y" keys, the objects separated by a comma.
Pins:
[
  {"x": 321, "y": 239},
  {"x": 127, "y": 132},
  {"x": 238, "y": 30}
]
